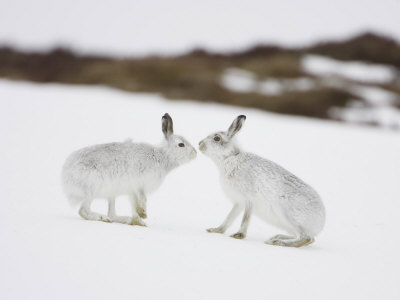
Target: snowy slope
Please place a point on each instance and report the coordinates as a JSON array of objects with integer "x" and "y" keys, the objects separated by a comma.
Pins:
[
  {"x": 48, "y": 252},
  {"x": 123, "y": 27}
]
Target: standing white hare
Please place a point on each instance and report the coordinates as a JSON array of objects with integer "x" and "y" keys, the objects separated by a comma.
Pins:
[
  {"x": 135, "y": 169},
  {"x": 264, "y": 188}
]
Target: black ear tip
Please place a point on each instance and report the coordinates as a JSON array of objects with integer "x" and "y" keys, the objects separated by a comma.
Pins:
[
  {"x": 242, "y": 117},
  {"x": 166, "y": 116}
]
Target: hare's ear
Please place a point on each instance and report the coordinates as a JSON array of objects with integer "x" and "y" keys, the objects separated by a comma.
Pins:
[
  {"x": 167, "y": 125},
  {"x": 236, "y": 126}
]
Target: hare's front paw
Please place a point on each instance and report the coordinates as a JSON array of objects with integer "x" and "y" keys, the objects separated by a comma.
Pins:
[
  {"x": 238, "y": 235},
  {"x": 216, "y": 230},
  {"x": 137, "y": 221},
  {"x": 141, "y": 212}
]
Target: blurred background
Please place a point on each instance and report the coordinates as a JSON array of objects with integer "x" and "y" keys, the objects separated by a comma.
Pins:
[
  {"x": 319, "y": 82},
  {"x": 330, "y": 60}
]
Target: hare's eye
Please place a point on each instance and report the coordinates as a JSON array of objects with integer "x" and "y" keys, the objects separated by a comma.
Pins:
[
  {"x": 217, "y": 138},
  {"x": 181, "y": 145}
]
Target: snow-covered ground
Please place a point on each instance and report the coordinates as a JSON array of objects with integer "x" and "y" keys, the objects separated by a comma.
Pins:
[
  {"x": 48, "y": 252},
  {"x": 123, "y": 27}
]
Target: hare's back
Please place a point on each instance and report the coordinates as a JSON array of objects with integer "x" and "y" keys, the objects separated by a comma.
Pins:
[
  {"x": 263, "y": 174},
  {"x": 99, "y": 158}
]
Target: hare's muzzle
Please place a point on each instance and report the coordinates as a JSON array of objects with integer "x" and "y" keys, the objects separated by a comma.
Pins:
[{"x": 202, "y": 146}]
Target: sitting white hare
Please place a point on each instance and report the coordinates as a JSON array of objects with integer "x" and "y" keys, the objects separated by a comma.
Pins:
[
  {"x": 257, "y": 185},
  {"x": 135, "y": 169}
]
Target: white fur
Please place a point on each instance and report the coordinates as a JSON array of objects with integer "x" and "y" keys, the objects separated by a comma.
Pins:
[
  {"x": 110, "y": 170},
  {"x": 260, "y": 186}
]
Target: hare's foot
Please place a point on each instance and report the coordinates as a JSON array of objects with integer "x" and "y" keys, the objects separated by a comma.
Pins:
[
  {"x": 241, "y": 234},
  {"x": 140, "y": 201},
  {"x": 89, "y": 215},
  {"x": 141, "y": 212},
  {"x": 105, "y": 219},
  {"x": 216, "y": 230},
  {"x": 290, "y": 242},
  {"x": 136, "y": 220},
  {"x": 121, "y": 219},
  {"x": 238, "y": 235},
  {"x": 281, "y": 237}
]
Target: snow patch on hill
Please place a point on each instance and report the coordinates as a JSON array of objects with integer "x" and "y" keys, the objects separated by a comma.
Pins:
[{"x": 357, "y": 71}]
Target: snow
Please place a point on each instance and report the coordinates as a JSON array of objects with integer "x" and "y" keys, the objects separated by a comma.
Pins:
[
  {"x": 359, "y": 71},
  {"x": 273, "y": 86},
  {"x": 242, "y": 81},
  {"x": 123, "y": 27},
  {"x": 49, "y": 252},
  {"x": 375, "y": 96},
  {"x": 239, "y": 80}
]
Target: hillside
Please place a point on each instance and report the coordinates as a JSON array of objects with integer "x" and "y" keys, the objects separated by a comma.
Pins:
[{"x": 271, "y": 78}]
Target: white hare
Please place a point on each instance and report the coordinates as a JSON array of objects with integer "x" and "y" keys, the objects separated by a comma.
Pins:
[
  {"x": 135, "y": 169},
  {"x": 264, "y": 188}
]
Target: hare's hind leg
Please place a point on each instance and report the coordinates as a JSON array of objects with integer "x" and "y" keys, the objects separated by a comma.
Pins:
[
  {"x": 112, "y": 214},
  {"x": 86, "y": 213},
  {"x": 279, "y": 237},
  {"x": 228, "y": 221},
  {"x": 141, "y": 205},
  {"x": 286, "y": 241}
]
